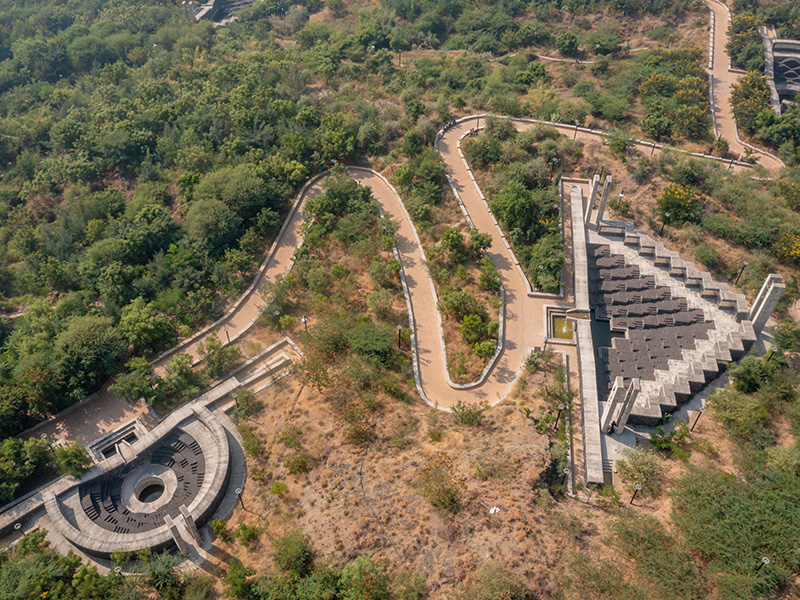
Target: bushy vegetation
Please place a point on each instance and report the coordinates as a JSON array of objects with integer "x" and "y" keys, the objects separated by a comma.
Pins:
[
  {"x": 439, "y": 484},
  {"x": 299, "y": 577},
  {"x": 723, "y": 523},
  {"x": 761, "y": 387},
  {"x": 32, "y": 569},
  {"x": 674, "y": 89},
  {"x": 744, "y": 42},
  {"x": 520, "y": 193},
  {"x": 19, "y": 462},
  {"x": 749, "y": 98},
  {"x": 493, "y": 582},
  {"x": 732, "y": 523}
]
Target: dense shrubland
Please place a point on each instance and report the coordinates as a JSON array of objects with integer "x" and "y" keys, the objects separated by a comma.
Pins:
[
  {"x": 750, "y": 98},
  {"x": 523, "y": 166}
]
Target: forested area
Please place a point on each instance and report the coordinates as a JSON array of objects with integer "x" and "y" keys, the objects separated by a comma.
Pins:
[
  {"x": 148, "y": 161},
  {"x": 524, "y": 166}
]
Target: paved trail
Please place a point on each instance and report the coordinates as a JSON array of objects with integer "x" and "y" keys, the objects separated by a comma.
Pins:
[{"x": 724, "y": 78}]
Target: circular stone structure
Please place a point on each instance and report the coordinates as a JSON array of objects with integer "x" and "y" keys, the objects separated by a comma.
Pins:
[{"x": 138, "y": 498}]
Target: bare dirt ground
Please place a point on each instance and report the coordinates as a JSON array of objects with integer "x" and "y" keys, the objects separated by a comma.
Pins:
[{"x": 384, "y": 515}]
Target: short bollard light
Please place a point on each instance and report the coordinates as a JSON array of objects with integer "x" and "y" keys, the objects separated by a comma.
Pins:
[
  {"x": 744, "y": 264},
  {"x": 558, "y": 416},
  {"x": 636, "y": 489},
  {"x": 239, "y": 494},
  {"x": 566, "y": 476},
  {"x": 699, "y": 414}
]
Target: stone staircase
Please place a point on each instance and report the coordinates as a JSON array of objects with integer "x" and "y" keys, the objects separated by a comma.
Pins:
[
  {"x": 730, "y": 338},
  {"x": 693, "y": 278}
]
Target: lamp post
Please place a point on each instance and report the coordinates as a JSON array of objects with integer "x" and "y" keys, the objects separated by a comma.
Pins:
[
  {"x": 663, "y": 223},
  {"x": 235, "y": 397},
  {"x": 399, "y": 330},
  {"x": 764, "y": 561},
  {"x": 744, "y": 264},
  {"x": 227, "y": 335},
  {"x": 566, "y": 475},
  {"x": 699, "y": 414},
  {"x": 18, "y": 527},
  {"x": 277, "y": 314},
  {"x": 239, "y": 494},
  {"x": 558, "y": 416},
  {"x": 117, "y": 570},
  {"x": 304, "y": 321},
  {"x": 636, "y": 489}
]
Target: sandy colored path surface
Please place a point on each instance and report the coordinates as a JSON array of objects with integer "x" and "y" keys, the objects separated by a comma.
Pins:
[
  {"x": 524, "y": 316},
  {"x": 723, "y": 80}
]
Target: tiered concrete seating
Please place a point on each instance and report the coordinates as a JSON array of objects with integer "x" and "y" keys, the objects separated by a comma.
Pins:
[
  {"x": 101, "y": 499},
  {"x": 672, "y": 347}
]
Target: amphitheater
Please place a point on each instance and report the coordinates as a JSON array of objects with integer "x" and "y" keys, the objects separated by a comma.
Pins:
[
  {"x": 137, "y": 497},
  {"x": 148, "y": 490}
]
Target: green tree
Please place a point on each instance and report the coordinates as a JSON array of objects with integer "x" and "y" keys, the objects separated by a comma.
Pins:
[
  {"x": 72, "y": 459},
  {"x": 217, "y": 358},
  {"x": 88, "y": 350},
  {"x": 144, "y": 327},
  {"x": 214, "y": 223},
  {"x": 242, "y": 189},
  {"x": 472, "y": 329},
  {"x": 18, "y": 461},
  {"x": 749, "y": 98},
  {"x": 41, "y": 389},
  {"x": 478, "y": 242},
  {"x": 453, "y": 242},
  {"x": 680, "y": 203},
  {"x": 180, "y": 378},
  {"x": 163, "y": 574},
  {"x": 362, "y": 579},
  {"x": 642, "y": 467},
  {"x": 567, "y": 44},
  {"x": 236, "y": 582},
  {"x": 139, "y": 382},
  {"x": 292, "y": 553}
]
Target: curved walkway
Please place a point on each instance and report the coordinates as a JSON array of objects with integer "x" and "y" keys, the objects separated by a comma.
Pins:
[{"x": 723, "y": 77}]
